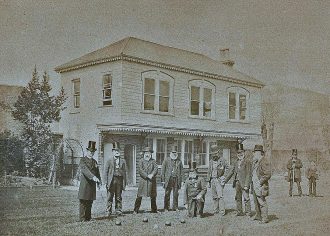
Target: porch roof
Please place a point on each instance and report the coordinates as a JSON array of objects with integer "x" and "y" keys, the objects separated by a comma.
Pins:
[{"x": 139, "y": 128}]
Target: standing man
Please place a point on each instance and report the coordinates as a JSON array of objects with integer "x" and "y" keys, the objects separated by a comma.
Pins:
[
  {"x": 172, "y": 170},
  {"x": 260, "y": 187},
  {"x": 294, "y": 173},
  {"x": 312, "y": 175},
  {"x": 242, "y": 180},
  {"x": 194, "y": 192},
  {"x": 115, "y": 176},
  {"x": 90, "y": 175},
  {"x": 216, "y": 179},
  {"x": 147, "y": 185}
]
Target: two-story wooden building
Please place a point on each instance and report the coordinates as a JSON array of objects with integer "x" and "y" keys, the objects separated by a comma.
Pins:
[{"x": 141, "y": 93}]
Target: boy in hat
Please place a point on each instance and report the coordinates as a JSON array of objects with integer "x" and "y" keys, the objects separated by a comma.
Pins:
[
  {"x": 172, "y": 170},
  {"x": 194, "y": 192},
  {"x": 294, "y": 173},
  {"x": 260, "y": 187},
  {"x": 216, "y": 178},
  {"x": 242, "y": 180},
  {"x": 147, "y": 185},
  {"x": 90, "y": 176},
  {"x": 115, "y": 176},
  {"x": 312, "y": 175}
]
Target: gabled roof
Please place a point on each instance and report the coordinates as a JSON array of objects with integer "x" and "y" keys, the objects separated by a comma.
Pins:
[{"x": 141, "y": 51}]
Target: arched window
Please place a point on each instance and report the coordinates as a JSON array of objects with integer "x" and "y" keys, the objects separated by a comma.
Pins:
[
  {"x": 238, "y": 103},
  {"x": 202, "y": 102},
  {"x": 157, "y": 92}
]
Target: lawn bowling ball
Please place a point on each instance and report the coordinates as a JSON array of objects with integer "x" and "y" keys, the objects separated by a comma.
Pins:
[
  {"x": 182, "y": 221},
  {"x": 167, "y": 223},
  {"x": 145, "y": 219},
  {"x": 118, "y": 222}
]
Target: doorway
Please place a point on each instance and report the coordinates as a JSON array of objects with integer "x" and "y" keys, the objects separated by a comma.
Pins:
[{"x": 130, "y": 157}]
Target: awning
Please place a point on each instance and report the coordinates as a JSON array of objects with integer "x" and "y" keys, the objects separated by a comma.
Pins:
[{"x": 148, "y": 129}]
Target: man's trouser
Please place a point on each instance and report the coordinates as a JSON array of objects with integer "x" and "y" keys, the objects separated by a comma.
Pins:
[
  {"x": 85, "y": 210},
  {"x": 312, "y": 186},
  {"x": 138, "y": 204},
  {"x": 298, "y": 185},
  {"x": 195, "y": 207},
  {"x": 115, "y": 190},
  {"x": 172, "y": 185},
  {"x": 239, "y": 193},
  {"x": 261, "y": 207},
  {"x": 217, "y": 195}
]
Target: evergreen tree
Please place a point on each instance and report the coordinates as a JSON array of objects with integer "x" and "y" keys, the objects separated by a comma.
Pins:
[{"x": 36, "y": 109}]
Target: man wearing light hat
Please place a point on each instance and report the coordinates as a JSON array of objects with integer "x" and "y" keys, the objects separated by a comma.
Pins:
[
  {"x": 242, "y": 180},
  {"x": 216, "y": 178},
  {"x": 260, "y": 175},
  {"x": 148, "y": 169},
  {"x": 294, "y": 173},
  {"x": 115, "y": 176},
  {"x": 171, "y": 176},
  {"x": 90, "y": 176}
]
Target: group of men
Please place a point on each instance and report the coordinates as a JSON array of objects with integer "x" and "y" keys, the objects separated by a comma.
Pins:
[{"x": 250, "y": 176}]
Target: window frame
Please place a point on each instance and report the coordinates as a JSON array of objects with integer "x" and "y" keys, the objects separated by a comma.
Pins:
[
  {"x": 202, "y": 85},
  {"x": 76, "y": 95},
  {"x": 104, "y": 88},
  {"x": 238, "y": 91},
  {"x": 158, "y": 76},
  {"x": 153, "y": 140}
]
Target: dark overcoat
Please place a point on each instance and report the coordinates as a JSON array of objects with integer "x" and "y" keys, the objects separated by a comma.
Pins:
[
  {"x": 263, "y": 173},
  {"x": 147, "y": 187},
  {"x": 193, "y": 188},
  {"x": 297, "y": 171},
  {"x": 167, "y": 167},
  {"x": 87, "y": 187},
  {"x": 109, "y": 170},
  {"x": 222, "y": 167},
  {"x": 242, "y": 173}
]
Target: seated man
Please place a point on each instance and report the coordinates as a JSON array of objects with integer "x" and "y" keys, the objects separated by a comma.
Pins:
[{"x": 194, "y": 193}]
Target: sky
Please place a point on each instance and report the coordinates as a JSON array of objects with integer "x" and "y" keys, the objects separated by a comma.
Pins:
[{"x": 277, "y": 42}]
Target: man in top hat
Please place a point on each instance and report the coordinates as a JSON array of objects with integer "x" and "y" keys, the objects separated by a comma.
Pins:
[
  {"x": 115, "y": 176},
  {"x": 242, "y": 180},
  {"x": 194, "y": 192},
  {"x": 147, "y": 185},
  {"x": 312, "y": 175},
  {"x": 294, "y": 173},
  {"x": 171, "y": 176},
  {"x": 260, "y": 175},
  {"x": 216, "y": 178},
  {"x": 90, "y": 176}
]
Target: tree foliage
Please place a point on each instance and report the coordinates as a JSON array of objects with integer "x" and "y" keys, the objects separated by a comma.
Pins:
[{"x": 36, "y": 109}]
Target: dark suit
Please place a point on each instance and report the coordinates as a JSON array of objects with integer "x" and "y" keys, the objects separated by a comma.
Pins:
[
  {"x": 87, "y": 187},
  {"x": 294, "y": 174},
  {"x": 172, "y": 178},
  {"x": 193, "y": 188},
  {"x": 115, "y": 179}
]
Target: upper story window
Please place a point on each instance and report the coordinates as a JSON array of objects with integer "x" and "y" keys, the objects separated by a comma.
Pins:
[
  {"x": 107, "y": 90},
  {"x": 238, "y": 104},
  {"x": 202, "y": 99},
  {"x": 76, "y": 93},
  {"x": 157, "y": 92}
]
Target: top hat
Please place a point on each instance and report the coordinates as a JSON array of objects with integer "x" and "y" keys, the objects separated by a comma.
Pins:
[
  {"x": 147, "y": 149},
  {"x": 240, "y": 147},
  {"x": 258, "y": 148},
  {"x": 214, "y": 149},
  {"x": 115, "y": 146},
  {"x": 192, "y": 166},
  {"x": 294, "y": 151},
  {"x": 173, "y": 149},
  {"x": 91, "y": 146}
]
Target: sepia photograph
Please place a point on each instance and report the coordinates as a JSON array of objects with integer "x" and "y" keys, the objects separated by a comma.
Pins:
[{"x": 164, "y": 117}]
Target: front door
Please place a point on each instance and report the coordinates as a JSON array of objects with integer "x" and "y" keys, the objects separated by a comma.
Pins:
[{"x": 130, "y": 157}]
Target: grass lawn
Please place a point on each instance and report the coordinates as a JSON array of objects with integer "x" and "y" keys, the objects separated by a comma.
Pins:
[{"x": 47, "y": 211}]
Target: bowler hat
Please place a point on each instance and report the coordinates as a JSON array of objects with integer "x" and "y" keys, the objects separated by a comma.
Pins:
[
  {"x": 147, "y": 149},
  {"x": 294, "y": 151},
  {"x": 91, "y": 146},
  {"x": 115, "y": 146},
  {"x": 240, "y": 147},
  {"x": 258, "y": 148},
  {"x": 214, "y": 149}
]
